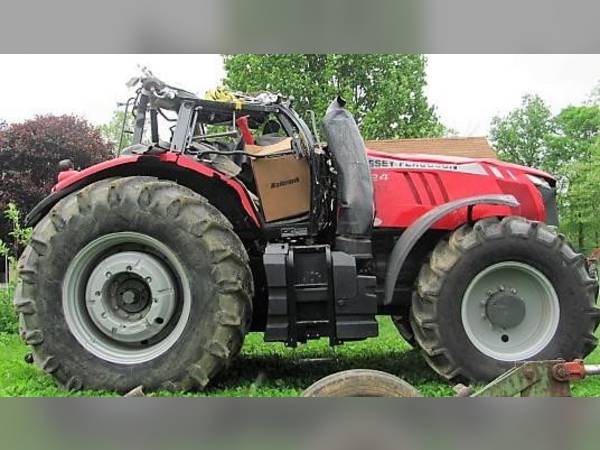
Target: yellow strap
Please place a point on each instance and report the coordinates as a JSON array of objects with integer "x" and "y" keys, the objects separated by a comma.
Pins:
[{"x": 221, "y": 94}]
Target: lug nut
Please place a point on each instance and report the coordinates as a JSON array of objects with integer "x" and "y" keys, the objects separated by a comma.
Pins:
[
  {"x": 148, "y": 280},
  {"x": 108, "y": 274}
]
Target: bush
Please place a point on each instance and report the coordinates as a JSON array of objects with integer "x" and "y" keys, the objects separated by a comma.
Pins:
[
  {"x": 19, "y": 237},
  {"x": 29, "y": 156},
  {"x": 8, "y": 316}
]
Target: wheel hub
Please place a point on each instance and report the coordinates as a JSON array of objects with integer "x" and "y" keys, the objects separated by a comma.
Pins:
[
  {"x": 130, "y": 296},
  {"x": 505, "y": 309},
  {"x": 510, "y": 311}
]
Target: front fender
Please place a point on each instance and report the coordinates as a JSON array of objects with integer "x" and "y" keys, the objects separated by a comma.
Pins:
[
  {"x": 413, "y": 233},
  {"x": 167, "y": 165}
]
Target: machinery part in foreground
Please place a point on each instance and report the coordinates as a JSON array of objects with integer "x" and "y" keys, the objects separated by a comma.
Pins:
[
  {"x": 530, "y": 379},
  {"x": 501, "y": 292},
  {"x": 361, "y": 383},
  {"x": 537, "y": 379},
  {"x": 155, "y": 291}
]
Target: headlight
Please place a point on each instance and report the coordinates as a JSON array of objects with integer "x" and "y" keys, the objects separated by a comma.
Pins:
[{"x": 538, "y": 181}]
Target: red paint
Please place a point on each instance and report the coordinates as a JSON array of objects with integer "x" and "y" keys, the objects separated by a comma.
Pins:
[
  {"x": 64, "y": 174},
  {"x": 92, "y": 170},
  {"x": 167, "y": 158},
  {"x": 198, "y": 167},
  {"x": 242, "y": 124},
  {"x": 403, "y": 194}
]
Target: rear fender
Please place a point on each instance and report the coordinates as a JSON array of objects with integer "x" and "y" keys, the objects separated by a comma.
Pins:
[
  {"x": 225, "y": 193},
  {"x": 413, "y": 233}
]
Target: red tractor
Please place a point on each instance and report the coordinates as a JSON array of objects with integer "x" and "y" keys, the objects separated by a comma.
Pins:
[{"x": 149, "y": 269}]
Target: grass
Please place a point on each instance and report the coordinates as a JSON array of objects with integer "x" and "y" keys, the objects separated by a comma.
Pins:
[{"x": 271, "y": 370}]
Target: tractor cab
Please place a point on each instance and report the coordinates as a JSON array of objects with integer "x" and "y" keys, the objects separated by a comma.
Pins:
[{"x": 258, "y": 140}]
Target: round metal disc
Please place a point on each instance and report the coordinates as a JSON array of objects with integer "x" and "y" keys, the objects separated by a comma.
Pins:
[
  {"x": 126, "y": 297},
  {"x": 510, "y": 311}
]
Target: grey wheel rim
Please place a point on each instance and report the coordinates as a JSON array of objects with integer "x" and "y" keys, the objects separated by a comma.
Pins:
[
  {"x": 126, "y": 298},
  {"x": 510, "y": 311}
]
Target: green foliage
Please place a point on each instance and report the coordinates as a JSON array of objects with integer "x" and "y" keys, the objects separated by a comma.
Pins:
[
  {"x": 384, "y": 92},
  {"x": 578, "y": 128},
  {"x": 524, "y": 136},
  {"x": 8, "y": 316},
  {"x": 566, "y": 145},
  {"x": 111, "y": 131},
  {"x": 577, "y": 146},
  {"x": 578, "y": 203},
  {"x": 20, "y": 237},
  {"x": 272, "y": 370}
]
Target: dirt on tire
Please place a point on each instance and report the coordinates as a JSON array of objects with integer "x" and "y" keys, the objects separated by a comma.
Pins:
[
  {"x": 436, "y": 306},
  {"x": 220, "y": 283}
]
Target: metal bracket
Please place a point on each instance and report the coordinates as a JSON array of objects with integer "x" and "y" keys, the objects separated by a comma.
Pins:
[
  {"x": 182, "y": 129},
  {"x": 531, "y": 379}
]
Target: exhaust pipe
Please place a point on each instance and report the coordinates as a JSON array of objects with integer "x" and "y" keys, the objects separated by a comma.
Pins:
[{"x": 355, "y": 210}]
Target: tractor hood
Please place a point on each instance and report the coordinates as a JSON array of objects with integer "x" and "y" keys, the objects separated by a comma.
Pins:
[
  {"x": 438, "y": 162},
  {"x": 408, "y": 185}
]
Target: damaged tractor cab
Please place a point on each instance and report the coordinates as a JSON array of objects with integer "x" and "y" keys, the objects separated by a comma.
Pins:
[{"x": 227, "y": 215}]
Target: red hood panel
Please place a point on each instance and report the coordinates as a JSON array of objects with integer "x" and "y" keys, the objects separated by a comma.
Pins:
[
  {"x": 425, "y": 157},
  {"x": 409, "y": 185}
]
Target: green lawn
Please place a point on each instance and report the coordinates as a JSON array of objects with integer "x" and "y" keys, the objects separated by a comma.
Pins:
[{"x": 271, "y": 370}]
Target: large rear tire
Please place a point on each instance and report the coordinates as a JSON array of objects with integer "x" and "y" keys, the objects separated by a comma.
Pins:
[
  {"x": 501, "y": 292},
  {"x": 134, "y": 281}
]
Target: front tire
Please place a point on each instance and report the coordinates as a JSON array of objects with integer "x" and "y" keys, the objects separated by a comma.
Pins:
[
  {"x": 134, "y": 281},
  {"x": 501, "y": 292}
]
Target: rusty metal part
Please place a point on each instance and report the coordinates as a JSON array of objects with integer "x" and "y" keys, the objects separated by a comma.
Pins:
[
  {"x": 569, "y": 371},
  {"x": 136, "y": 392},
  {"x": 531, "y": 379},
  {"x": 361, "y": 383},
  {"x": 460, "y": 390}
]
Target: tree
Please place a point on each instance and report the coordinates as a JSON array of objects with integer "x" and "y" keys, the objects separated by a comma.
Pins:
[
  {"x": 578, "y": 144},
  {"x": 111, "y": 131},
  {"x": 384, "y": 92},
  {"x": 524, "y": 136},
  {"x": 579, "y": 206},
  {"x": 578, "y": 128},
  {"x": 567, "y": 145},
  {"x": 30, "y": 152}
]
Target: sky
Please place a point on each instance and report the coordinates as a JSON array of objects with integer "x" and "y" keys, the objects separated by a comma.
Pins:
[{"x": 467, "y": 90}]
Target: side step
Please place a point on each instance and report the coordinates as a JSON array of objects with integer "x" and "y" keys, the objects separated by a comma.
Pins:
[{"x": 315, "y": 292}]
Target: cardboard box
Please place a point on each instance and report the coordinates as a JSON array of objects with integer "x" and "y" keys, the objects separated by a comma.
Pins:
[{"x": 282, "y": 180}]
